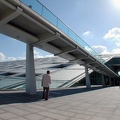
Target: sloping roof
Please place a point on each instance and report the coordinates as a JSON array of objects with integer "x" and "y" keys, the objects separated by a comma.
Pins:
[{"x": 13, "y": 72}]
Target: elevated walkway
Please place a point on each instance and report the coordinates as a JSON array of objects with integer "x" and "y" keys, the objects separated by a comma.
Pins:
[{"x": 31, "y": 22}]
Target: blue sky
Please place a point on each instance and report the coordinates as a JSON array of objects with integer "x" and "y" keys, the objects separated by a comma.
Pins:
[{"x": 97, "y": 22}]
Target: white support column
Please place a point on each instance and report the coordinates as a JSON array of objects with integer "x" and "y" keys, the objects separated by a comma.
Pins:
[
  {"x": 30, "y": 71},
  {"x": 103, "y": 81},
  {"x": 88, "y": 84}
]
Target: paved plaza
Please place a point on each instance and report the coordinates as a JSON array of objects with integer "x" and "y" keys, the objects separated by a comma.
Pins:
[{"x": 96, "y": 103}]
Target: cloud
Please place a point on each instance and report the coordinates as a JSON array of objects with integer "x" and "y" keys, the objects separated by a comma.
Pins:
[
  {"x": 113, "y": 34},
  {"x": 11, "y": 58},
  {"x": 2, "y": 57},
  {"x": 116, "y": 51},
  {"x": 51, "y": 55},
  {"x": 87, "y": 33},
  {"x": 21, "y": 58},
  {"x": 101, "y": 49},
  {"x": 37, "y": 54}
]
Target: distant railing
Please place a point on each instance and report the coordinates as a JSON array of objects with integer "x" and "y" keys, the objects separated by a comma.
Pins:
[{"x": 49, "y": 16}]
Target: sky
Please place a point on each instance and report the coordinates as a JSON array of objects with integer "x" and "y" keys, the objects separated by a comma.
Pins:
[{"x": 97, "y": 22}]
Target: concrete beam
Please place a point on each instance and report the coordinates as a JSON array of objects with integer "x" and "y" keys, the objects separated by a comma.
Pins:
[
  {"x": 37, "y": 23},
  {"x": 67, "y": 41},
  {"x": 18, "y": 34},
  {"x": 11, "y": 16},
  {"x": 80, "y": 58},
  {"x": 57, "y": 35},
  {"x": 66, "y": 51},
  {"x": 49, "y": 48}
]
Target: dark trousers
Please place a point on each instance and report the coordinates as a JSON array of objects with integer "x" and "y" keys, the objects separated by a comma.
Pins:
[{"x": 45, "y": 93}]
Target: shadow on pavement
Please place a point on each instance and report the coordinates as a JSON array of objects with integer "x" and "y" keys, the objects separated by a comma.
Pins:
[
  {"x": 10, "y": 97},
  {"x": 70, "y": 91},
  {"x": 17, "y": 97}
]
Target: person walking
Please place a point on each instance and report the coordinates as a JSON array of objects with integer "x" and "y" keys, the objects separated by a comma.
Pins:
[{"x": 45, "y": 83}]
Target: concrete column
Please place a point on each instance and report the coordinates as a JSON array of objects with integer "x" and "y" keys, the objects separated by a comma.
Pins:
[
  {"x": 110, "y": 81},
  {"x": 88, "y": 84},
  {"x": 30, "y": 71},
  {"x": 103, "y": 81}
]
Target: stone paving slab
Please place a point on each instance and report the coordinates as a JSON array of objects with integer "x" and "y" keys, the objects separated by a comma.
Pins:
[{"x": 96, "y": 103}]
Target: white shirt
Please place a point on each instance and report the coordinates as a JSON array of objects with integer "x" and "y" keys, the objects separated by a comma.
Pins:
[{"x": 46, "y": 80}]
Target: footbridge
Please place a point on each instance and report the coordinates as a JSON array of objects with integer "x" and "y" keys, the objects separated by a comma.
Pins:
[{"x": 32, "y": 23}]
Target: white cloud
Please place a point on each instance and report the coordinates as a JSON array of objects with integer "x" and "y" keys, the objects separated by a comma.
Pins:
[
  {"x": 105, "y": 52},
  {"x": 87, "y": 33},
  {"x": 113, "y": 34},
  {"x": 11, "y": 58},
  {"x": 21, "y": 58},
  {"x": 116, "y": 51},
  {"x": 51, "y": 55},
  {"x": 101, "y": 49},
  {"x": 2, "y": 57},
  {"x": 37, "y": 54}
]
